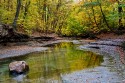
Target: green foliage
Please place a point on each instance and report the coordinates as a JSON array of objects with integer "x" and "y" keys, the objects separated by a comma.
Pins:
[
  {"x": 90, "y": 4},
  {"x": 73, "y": 28},
  {"x": 121, "y": 5},
  {"x": 64, "y": 17},
  {"x": 6, "y": 16}
]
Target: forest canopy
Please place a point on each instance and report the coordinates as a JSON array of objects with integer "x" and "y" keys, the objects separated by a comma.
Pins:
[{"x": 64, "y": 17}]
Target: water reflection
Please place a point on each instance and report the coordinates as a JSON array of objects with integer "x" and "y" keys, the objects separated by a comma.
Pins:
[
  {"x": 48, "y": 66},
  {"x": 19, "y": 78}
]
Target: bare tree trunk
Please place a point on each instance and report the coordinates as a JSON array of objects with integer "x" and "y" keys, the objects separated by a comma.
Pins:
[{"x": 17, "y": 14}]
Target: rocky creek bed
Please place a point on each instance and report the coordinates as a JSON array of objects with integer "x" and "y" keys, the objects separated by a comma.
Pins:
[
  {"x": 108, "y": 48},
  {"x": 111, "y": 71}
]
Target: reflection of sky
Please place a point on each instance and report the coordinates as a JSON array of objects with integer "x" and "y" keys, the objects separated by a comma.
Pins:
[
  {"x": 19, "y": 78},
  {"x": 77, "y": 0}
]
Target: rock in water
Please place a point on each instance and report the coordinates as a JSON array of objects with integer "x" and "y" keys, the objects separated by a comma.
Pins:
[{"x": 18, "y": 66}]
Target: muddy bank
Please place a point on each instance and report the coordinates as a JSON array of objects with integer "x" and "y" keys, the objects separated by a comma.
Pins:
[{"x": 18, "y": 51}]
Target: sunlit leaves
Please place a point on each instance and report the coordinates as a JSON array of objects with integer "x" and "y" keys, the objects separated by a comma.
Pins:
[
  {"x": 121, "y": 5},
  {"x": 62, "y": 16},
  {"x": 89, "y": 4}
]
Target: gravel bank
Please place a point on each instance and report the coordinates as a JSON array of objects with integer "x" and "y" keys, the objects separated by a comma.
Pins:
[{"x": 110, "y": 48}]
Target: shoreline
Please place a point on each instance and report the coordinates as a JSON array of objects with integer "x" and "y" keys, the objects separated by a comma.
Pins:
[{"x": 20, "y": 49}]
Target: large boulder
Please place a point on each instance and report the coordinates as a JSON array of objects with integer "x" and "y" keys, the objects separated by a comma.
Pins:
[{"x": 18, "y": 66}]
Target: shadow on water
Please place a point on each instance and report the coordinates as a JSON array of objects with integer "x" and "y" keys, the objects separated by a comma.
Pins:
[
  {"x": 59, "y": 59},
  {"x": 18, "y": 76}
]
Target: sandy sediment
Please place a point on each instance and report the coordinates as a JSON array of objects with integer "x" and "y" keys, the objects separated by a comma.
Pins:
[
  {"x": 18, "y": 51},
  {"x": 22, "y": 48}
]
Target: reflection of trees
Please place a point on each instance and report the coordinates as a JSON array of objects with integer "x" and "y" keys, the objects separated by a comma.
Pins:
[
  {"x": 62, "y": 58},
  {"x": 94, "y": 60},
  {"x": 89, "y": 60}
]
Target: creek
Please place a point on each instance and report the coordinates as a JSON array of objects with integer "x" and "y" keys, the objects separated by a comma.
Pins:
[{"x": 63, "y": 63}]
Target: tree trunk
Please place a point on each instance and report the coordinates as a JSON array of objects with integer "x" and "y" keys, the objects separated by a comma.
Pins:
[
  {"x": 104, "y": 18},
  {"x": 26, "y": 9},
  {"x": 120, "y": 17},
  {"x": 17, "y": 14},
  {"x": 93, "y": 12},
  {"x": 8, "y": 8},
  {"x": 94, "y": 17},
  {"x": 45, "y": 16},
  {"x": 89, "y": 16}
]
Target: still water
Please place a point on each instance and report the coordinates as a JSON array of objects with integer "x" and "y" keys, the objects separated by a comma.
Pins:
[{"x": 49, "y": 66}]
